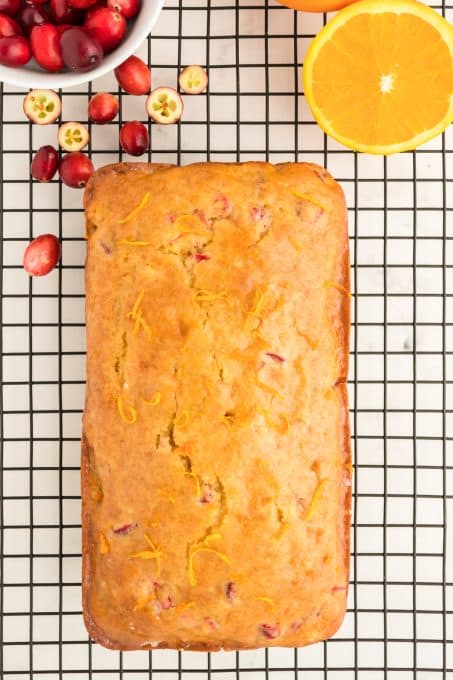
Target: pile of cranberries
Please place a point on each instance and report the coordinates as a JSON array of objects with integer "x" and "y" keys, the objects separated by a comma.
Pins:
[{"x": 62, "y": 34}]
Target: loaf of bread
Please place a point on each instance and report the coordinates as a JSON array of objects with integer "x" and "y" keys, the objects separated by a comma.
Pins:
[{"x": 216, "y": 452}]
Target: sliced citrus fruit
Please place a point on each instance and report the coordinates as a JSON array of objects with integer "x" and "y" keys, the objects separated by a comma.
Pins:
[
  {"x": 379, "y": 76},
  {"x": 315, "y": 5}
]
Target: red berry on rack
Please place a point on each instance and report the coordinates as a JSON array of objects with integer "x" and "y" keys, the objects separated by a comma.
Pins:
[
  {"x": 32, "y": 16},
  {"x": 75, "y": 170},
  {"x": 14, "y": 51},
  {"x": 81, "y": 51},
  {"x": 103, "y": 108},
  {"x": 42, "y": 255},
  {"x": 81, "y": 4},
  {"x": 45, "y": 45},
  {"x": 134, "y": 138},
  {"x": 128, "y": 8},
  {"x": 134, "y": 76},
  {"x": 107, "y": 26},
  {"x": 44, "y": 164},
  {"x": 8, "y": 26},
  {"x": 10, "y": 7}
]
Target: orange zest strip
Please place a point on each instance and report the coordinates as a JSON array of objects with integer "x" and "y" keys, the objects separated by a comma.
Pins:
[
  {"x": 338, "y": 286},
  {"x": 183, "y": 419},
  {"x": 104, "y": 546},
  {"x": 220, "y": 555},
  {"x": 167, "y": 495},
  {"x": 267, "y": 388},
  {"x": 315, "y": 499},
  {"x": 129, "y": 419},
  {"x": 145, "y": 327},
  {"x": 137, "y": 304},
  {"x": 212, "y": 296},
  {"x": 282, "y": 426},
  {"x": 195, "y": 477},
  {"x": 307, "y": 197},
  {"x": 295, "y": 243},
  {"x": 155, "y": 399},
  {"x": 267, "y": 600},
  {"x": 138, "y": 244},
  {"x": 153, "y": 554},
  {"x": 136, "y": 210}
]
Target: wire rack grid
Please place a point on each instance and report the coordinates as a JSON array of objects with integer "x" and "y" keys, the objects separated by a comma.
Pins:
[{"x": 399, "y": 623}]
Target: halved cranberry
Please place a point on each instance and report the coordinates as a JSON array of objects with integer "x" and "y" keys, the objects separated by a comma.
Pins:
[
  {"x": 222, "y": 206},
  {"x": 81, "y": 51},
  {"x": 200, "y": 257},
  {"x": 8, "y": 26},
  {"x": 107, "y": 26},
  {"x": 128, "y": 8},
  {"x": 75, "y": 169},
  {"x": 14, "y": 51},
  {"x": 32, "y": 16},
  {"x": 45, "y": 45},
  {"x": 44, "y": 164},
  {"x": 10, "y": 7}
]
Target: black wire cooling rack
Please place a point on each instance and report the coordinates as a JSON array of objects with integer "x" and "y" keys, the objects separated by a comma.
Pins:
[{"x": 399, "y": 623}]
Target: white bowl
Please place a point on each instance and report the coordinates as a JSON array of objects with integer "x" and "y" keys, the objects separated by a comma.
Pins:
[{"x": 32, "y": 76}]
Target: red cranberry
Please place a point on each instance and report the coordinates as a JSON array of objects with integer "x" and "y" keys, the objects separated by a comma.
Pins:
[
  {"x": 103, "y": 107},
  {"x": 61, "y": 28},
  {"x": 276, "y": 357},
  {"x": 89, "y": 13},
  {"x": 14, "y": 51},
  {"x": 45, "y": 45},
  {"x": 107, "y": 26},
  {"x": 8, "y": 26},
  {"x": 75, "y": 169},
  {"x": 134, "y": 76},
  {"x": 62, "y": 13},
  {"x": 134, "y": 138},
  {"x": 128, "y": 8},
  {"x": 81, "y": 4},
  {"x": 45, "y": 163},
  {"x": 35, "y": 2},
  {"x": 10, "y": 7},
  {"x": 42, "y": 255},
  {"x": 32, "y": 16},
  {"x": 270, "y": 630},
  {"x": 81, "y": 51}
]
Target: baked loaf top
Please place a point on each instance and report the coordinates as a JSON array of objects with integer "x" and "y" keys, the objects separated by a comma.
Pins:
[{"x": 216, "y": 459}]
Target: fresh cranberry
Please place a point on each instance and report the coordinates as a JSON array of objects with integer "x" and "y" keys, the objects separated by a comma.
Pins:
[
  {"x": 275, "y": 357},
  {"x": 81, "y": 51},
  {"x": 42, "y": 255},
  {"x": 103, "y": 107},
  {"x": 134, "y": 76},
  {"x": 62, "y": 13},
  {"x": 31, "y": 16},
  {"x": 8, "y": 26},
  {"x": 107, "y": 26},
  {"x": 45, "y": 164},
  {"x": 14, "y": 51},
  {"x": 45, "y": 45},
  {"x": 75, "y": 169},
  {"x": 89, "y": 12},
  {"x": 81, "y": 4},
  {"x": 128, "y": 8},
  {"x": 10, "y": 7},
  {"x": 134, "y": 138},
  {"x": 61, "y": 28}
]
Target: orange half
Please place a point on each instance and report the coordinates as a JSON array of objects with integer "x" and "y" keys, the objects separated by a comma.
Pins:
[{"x": 379, "y": 76}]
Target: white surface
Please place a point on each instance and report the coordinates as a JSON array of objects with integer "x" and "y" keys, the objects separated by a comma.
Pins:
[
  {"x": 400, "y": 456},
  {"x": 32, "y": 76}
]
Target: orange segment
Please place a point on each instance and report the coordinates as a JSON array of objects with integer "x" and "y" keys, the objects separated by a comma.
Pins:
[{"x": 379, "y": 76}]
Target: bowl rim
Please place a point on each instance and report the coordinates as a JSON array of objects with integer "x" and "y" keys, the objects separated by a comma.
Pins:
[{"x": 29, "y": 79}]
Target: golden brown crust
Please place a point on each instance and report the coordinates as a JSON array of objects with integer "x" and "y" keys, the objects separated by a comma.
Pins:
[{"x": 216, "y": 515}]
